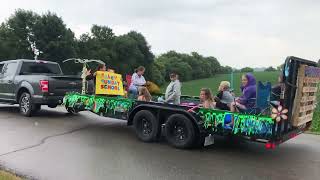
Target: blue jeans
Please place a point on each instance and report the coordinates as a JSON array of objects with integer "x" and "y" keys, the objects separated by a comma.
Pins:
[{"x": 133, "y": 92}]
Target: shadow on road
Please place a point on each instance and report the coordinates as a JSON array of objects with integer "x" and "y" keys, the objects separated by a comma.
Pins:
[{"x": 47, "y": 113}]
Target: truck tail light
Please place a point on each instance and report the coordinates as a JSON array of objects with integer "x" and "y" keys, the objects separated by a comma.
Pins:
[
  {"x": 270, "y": 145},
  {"x": 44, "y": 85}
]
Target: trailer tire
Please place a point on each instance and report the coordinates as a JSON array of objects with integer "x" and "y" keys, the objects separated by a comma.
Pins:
[
  {"x": 72, "y": 110},
  {"x": 146, "y": 126},
  {"x": 180, "y": 132}
]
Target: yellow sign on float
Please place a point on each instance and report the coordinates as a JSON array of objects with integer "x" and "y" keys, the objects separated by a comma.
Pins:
[{"x": 109, "y": 83}]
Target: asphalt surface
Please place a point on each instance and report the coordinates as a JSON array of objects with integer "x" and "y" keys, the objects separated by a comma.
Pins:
[{"x": 56, "y": 146}]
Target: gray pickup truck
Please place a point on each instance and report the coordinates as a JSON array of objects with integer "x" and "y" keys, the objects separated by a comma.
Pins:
[{"x": 32, "y": 83}]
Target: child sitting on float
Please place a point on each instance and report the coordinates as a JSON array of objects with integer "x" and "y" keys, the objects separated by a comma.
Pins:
[
  {"x": 144, "y": 94},
  {"x": 224, "y": 97},
  {"x": 206, "y": 99},
  {"x": 91, "y": 77}
]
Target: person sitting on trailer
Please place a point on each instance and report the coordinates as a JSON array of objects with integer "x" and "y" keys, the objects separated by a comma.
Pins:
[
  {"x": 206, "y": 99},
  {"x": 224, "y": 97},
  {"x": 92, "y": 76},
  {"x": 247, "y": 100},
  {"x": 137, "y": 80},
  {"x": 144, "y": 94}
]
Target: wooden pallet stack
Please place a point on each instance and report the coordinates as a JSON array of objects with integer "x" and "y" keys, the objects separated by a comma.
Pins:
[{"x": 306, "y": 95}]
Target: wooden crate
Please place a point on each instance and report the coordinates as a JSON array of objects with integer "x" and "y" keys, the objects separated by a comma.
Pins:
[{"x": 306, "y": 95}]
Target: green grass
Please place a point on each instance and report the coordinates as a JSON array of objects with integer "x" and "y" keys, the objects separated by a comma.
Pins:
[
  {"x": 193, "y": 88},
  {"x": 8, "y": 176},
  {"x": 316, "y": 118}
]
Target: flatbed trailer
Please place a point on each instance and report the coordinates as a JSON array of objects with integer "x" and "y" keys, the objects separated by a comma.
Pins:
[{"x": 186, "y": 126}]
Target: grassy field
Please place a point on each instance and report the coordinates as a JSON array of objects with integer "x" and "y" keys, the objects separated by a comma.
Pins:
[
  {"x": 8, "y": 176},
  {"x": 193, "y": 88},
  {"x": 316, "y": 118}
]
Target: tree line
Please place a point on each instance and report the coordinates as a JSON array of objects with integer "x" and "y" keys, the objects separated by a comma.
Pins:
[{"x": 122, "y": 53}]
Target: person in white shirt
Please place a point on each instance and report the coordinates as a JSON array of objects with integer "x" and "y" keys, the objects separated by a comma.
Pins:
[{"x": 137, "y": 80}]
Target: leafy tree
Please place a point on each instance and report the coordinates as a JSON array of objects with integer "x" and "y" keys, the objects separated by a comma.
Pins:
[
  {"x": 280, "y": 67},
  {"x": 48, "y": 32},
  {"x": 269, "y": 69},
  {"x": 225, "y": 69},
  {"x": 53, "y": 38},
  {"x": 14, "y": 33},
  {"x": 156, "y": 75},
  {"x": 123, "y": 53},
  {"x": 202, "y": 67},
  {"x": 236, "y": 70},
  {"x": 319, "y": 62},
  {"x": 132, "y": 50},
  {"x": 247, "y": 69}
]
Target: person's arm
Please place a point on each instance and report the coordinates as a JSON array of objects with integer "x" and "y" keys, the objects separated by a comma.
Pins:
[
  {"x": 89, "y": 77},
  {"x": 134, "y": 79},
  {"x": 175, "y": 92},
  {"x": 246, "y": 97},
  {"x": 219, "y": 96}
]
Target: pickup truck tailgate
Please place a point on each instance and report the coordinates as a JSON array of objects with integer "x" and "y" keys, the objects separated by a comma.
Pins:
[{"x": 60, "y": 85}]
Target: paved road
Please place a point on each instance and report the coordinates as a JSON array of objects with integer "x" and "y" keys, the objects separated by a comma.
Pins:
[{"x": 92, "y": 147}]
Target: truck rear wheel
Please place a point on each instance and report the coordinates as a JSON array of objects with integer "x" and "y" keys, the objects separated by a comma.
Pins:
[
  {"x": 146, "y": 126},
  {"x": 180, "y": 132},
  {"x": 25, "y": 104}
]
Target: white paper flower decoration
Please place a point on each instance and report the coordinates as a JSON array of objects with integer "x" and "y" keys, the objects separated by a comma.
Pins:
[{"x": 279, "y": 113}]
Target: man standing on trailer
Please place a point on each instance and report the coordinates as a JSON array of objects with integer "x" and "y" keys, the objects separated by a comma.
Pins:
[{"x": 173, "y": 91}]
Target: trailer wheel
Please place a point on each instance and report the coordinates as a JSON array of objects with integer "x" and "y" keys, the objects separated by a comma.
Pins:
[
  {"x": 180, "y": 132},
  {"x": 146, "y": 126},
  {"x": 72, "y": 110}
]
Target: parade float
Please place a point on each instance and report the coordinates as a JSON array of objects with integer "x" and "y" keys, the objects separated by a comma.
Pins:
[{"x": 188, "y": 125}]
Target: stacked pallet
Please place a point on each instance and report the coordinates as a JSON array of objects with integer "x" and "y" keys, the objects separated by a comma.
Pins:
[{"x": 306, "y": 95}]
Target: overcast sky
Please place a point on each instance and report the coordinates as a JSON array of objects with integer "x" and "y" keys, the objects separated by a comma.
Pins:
[{"x": 239, "y": 33}]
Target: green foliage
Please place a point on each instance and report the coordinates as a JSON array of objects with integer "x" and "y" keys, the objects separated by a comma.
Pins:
[
  {"x": 156, "y": 74},
  {"x": 189, "y": 67},
  {"x": 48, "y": 31},
  {"x": 13, "y": 35},
  {"x": 122, "y": 53},
  {"x": 247, "y": 69},
  {"x": 225, "y": 69},
  {"x": 269, "y": 69},
  {"x": 316, "y": 117}
]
